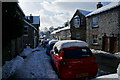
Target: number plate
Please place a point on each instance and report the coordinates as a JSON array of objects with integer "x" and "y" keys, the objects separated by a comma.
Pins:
[{"x": 82, "y": 75}]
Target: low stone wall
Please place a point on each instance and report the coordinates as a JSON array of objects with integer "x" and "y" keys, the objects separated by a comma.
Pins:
[{"x": 107, "y": 62}]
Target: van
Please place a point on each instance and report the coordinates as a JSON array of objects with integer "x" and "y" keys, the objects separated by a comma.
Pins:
[{"x": 73, "y": 59}]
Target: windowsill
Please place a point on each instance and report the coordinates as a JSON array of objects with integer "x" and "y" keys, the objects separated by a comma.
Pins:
[
  {"x": 96, "y": 26},
  {"x": 95, "y": 44}
]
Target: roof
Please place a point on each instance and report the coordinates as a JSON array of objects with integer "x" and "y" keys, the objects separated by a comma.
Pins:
[
  {"x": 31, "y": 25},
  {"x": 84, "y": 12},
  {"x": 105, "y": 8},
  {"x": 65, "y": 28},
  {"x": 36, "y": 19},
  {"x": 69, "y": 43}
]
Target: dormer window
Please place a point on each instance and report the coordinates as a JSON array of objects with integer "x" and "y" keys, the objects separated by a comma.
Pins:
[
  {"x": 95, "y": 22},
  {"x": 76, "y": 21}
]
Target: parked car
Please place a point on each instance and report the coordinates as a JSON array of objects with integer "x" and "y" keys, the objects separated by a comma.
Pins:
[
  {"x": 73, "y": 59},
  {"x": 50, "y": 46},
  {"x": 45, "y": 42}
]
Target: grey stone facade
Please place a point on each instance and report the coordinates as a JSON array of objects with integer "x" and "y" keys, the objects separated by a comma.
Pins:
[
  {"x": 78, "y": 33},
  {"x": 108, "y": 27}
]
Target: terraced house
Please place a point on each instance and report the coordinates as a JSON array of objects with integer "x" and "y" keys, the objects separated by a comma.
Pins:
[
  {"x": 78, "y": 25},
  {"x": 103, "y": 27}
]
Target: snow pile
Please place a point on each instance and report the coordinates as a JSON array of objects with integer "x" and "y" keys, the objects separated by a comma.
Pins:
[
  {"x": 110, "y": 77},
  {"x": 101, "y": 72},
  {"x": 36, "y": 49},
  {"x": 69, "y": 43},
  {"x": 105, "y": 8},
  {"x": 26, "y": 52},
  {"x": 117, "y": 55},
  {"x": 97, "y": 51},
  {"x": 36, "y": 65},
  {"x": 11, "y": 66}
]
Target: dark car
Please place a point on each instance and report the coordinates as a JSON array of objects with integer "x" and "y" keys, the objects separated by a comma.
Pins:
[
  {"x": 73, "y": 59},
  {"x": 44, "y": 43},
  {"x": 50, "y": 46}
]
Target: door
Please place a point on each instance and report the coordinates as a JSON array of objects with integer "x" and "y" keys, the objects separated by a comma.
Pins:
[
  {"x": 105, "y": 42},
  {"x": 112, "y": 44}
]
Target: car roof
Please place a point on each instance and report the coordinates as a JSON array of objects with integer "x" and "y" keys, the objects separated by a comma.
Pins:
[
  {"x": 69, "y": 43},
  {"x": 52, "y": 42}
]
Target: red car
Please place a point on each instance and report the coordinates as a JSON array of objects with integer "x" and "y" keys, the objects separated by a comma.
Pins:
[{"x": 73, "y": 59}]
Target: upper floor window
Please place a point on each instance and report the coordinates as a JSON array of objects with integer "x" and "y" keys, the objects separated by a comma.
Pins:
[
  {"x": 95, "y": 22},
  {"x": 77, "y": 21}
]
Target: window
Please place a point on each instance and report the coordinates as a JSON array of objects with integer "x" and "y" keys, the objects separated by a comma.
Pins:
[
  {"x": 94, "y": 40},
  {"x": 95, "y": 22},
  {"x": 77, "y": 36},
  {"x": 76, "y": 21},
  {"x": 25, "y": 30},
  {"x": 77, "y": 53}
]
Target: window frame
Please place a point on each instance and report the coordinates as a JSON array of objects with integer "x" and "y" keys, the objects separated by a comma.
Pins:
[
  {"x": 95, "y": 40},
  {"x": 95, "y": 22}
]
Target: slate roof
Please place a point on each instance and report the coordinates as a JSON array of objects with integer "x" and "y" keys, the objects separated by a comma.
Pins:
[
  {"x": 36, "y": 19},
  {"x": 105, "y": 8}
]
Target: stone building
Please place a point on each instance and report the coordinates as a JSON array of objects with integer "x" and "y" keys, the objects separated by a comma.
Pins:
[
  {"x": 61, "y": 34},
  {"x": 103, "y": 28},
  {"x": 12, "y": 30},
  {"x": 32, "y": 31},
  {"x": 78, "y": 25}
]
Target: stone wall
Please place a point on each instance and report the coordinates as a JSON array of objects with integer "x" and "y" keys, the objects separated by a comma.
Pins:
[{"x": 107, "y": 24}]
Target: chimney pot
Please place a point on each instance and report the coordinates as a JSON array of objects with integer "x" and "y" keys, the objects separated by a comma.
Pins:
[{"x": 99, "y": 5}]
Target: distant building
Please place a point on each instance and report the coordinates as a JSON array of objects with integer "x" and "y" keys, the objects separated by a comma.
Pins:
[
  {"x": 32, "y": 31},
  {"x": 103, "y": 28},
  {"x": 78, "y": 25},
  {"x": 61, "y": 34}
]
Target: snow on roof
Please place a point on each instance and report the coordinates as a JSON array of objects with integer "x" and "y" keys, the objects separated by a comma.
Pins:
[
  {"x": 30, "y": 25},
  {"x": 36, "y": 19},
  {"x": 84, "y": 12},
  {"x": 70, "y": 43},
  {"x": 105, "y": 8},
  {"x": 65, "y": 28}
]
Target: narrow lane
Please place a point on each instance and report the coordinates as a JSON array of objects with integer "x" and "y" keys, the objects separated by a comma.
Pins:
[{"x": 36, "y": 65}]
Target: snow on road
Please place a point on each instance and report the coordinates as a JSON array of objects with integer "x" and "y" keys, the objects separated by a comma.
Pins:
[{"x": 36, "y": 65}]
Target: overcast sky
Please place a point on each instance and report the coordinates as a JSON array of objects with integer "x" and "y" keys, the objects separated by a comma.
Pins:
[{"x": 54, "y": 12}]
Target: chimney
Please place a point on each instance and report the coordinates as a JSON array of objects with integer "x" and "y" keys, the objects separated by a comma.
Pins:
[
  {"x": 99, "y": 5},
  {"x": 31, "y": 18}
]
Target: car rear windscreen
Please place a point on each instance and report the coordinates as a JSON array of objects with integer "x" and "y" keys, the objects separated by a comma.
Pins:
[{"x": 77, "y": 53}]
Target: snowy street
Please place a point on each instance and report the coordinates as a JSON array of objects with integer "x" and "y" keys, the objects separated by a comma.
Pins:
[{"x": 36, "y": 65}]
